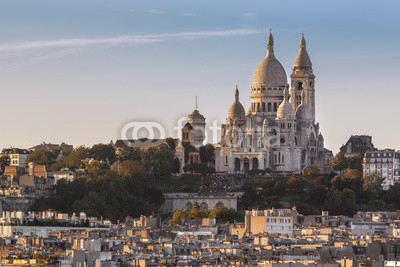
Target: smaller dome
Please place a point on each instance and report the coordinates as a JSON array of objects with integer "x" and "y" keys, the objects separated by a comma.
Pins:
[
  {"x": 303, "y": 112},
  {"x": 285, "y": 110},
  {"x": 236, "y": 110}
]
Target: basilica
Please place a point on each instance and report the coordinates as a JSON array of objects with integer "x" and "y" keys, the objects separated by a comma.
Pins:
[{"x": 279, "y": 131}]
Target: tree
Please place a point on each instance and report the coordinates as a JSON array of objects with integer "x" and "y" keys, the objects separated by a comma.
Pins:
[
  {"x": 352, "y": 179},
  {"x": 129, "y": 168},
  {"x": 321, "y": 181},
  {"x": 154, "y": 196},
  {"x": 279, "y": 189},
  {"x": 4, "y": 161},
  {"x": 250, "y": 198},
  {"x": 373, "y": 183},
  {"x": 171, "y": 143},
  {"x": 177, "y": 217},
  {"x": 207, "y": 154},
  {"x": 103, "y": 152},
  {"x": 340, "y": 162},
  {"x": 295, "y": 184},
  {"x": 348, "y": 202},
  {"x": 42, "y": 156},
  {"x": 72, "y": 159},
  {"x": 356, "y": 162},
  {"x": 268, "y": 187},
  {"x": 311, "y": 170},
  {"x": 342, "y": 202}
]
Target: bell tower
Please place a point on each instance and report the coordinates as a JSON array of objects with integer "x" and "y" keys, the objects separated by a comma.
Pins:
[{"x": 302, "y": 78}]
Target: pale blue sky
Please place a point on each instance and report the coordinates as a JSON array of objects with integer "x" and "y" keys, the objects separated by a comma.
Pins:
[{"x": 76, "y": 71}]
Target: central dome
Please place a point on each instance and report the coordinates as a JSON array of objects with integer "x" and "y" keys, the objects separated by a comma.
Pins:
[{"x": 270, "y": 71}]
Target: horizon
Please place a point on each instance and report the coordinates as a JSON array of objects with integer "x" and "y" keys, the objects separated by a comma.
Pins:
[{"x": 79, "y": 77}]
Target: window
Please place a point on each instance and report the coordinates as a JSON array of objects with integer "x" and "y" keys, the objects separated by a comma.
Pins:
[
  {"x": 275, "y": 107},
  {"x": 269, "y": 107},
  {"x": 263, "y": 107}
]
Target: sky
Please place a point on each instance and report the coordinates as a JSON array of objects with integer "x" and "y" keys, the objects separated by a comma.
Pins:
[{"x": 78, "y": 71}]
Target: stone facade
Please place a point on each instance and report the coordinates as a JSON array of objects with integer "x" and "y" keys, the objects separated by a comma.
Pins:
[
  {"x": 279, "y": 131},
  {"x": 185, "y": 201}
]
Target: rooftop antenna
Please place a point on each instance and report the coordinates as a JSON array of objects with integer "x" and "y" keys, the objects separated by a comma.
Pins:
[{"x": 196, "y": 103}]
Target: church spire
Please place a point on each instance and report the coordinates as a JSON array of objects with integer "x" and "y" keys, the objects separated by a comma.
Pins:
[
  {"x": 270, "y": 42},
  {"x": 302, "y": 41},
  {"x": 302, "y": 59},
  {"x": 237, "y": 93}
]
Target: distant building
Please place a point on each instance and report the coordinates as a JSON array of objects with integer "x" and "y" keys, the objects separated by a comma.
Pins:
[
  {"x": 356, "y": 145},
  {"x": 64, "y": 174},
  {"x": 185, "y": 201},
  {"x": 369, "y": 228},
  {"x": 55, "y": 148},
  {"x": 385, "y": 163},
  {"x": 272, "y": 221},
  {"x": 193, "y": 135},
  {"x": 17, "y": 156}
]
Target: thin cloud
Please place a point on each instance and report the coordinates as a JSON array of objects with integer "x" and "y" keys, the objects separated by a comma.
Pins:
[
  {"x": 119, "y": 40},
  {"x": 52, "y": 56},
  {"x": 155, "y": 11},
  {"x": 189, "y": 14},
  {"x": 250, "y": 15}
]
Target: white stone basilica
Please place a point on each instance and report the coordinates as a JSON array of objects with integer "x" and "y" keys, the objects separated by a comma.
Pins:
[{"x": 279, "y": 131}]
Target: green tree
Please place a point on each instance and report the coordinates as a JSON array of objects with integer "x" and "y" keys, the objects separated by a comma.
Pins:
[
  {"x": 72, "y": 159},
  {"x": 356, "y": 162},
  {"x": 342, "y": 202},
  {"x": 171, "y": 143},
  {"x": 279, "y": 189},
  {"x": 311, "y": 170},
  {"x": 154, "y": 196},
  {"x": 295, "y": 184},
  {"x": 207, "y": 154},
  {"x": 4, "y": 161},
  {"x": 340, "y": 162},
  {"x": 250, "y": 198},
  {"x": 321, "y": 181},
  {"x": 42, "y": 156},
  {"x": 348, "y": 202},
  {"x": 129, "y": 168},
  {"x": 373, "y": 183},
  {"x": 103, "y": 152}
]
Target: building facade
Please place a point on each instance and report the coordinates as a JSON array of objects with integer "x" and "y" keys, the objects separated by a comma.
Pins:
[
  {"x": 272, "y": 221},
  {"x": 385, "y": 163},
  {"x": 17, "y": 156},
  {"x": 356, "y": 145},
  {"x": 278, "y": 131}
]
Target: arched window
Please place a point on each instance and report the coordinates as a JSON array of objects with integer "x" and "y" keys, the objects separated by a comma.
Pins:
[
  {"x": 258, "y": 106},
  {"x": 300, "y": 86},
  {"x": 283, "y": 158},
  {"x": 269, "y": 107},
  {"x": 275, "y": 107},
  {"x": 263, "y": 106}
]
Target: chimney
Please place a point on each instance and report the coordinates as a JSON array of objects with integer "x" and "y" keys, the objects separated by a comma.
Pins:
[{"x": 31, "y": 168}]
